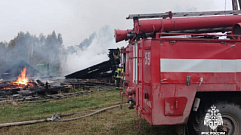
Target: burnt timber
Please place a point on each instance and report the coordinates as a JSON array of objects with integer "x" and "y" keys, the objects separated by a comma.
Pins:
[{"x": 103, "y": 70}]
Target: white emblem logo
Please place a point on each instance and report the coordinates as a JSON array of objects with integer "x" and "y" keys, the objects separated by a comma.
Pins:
[{"x": 213, "y": 118}]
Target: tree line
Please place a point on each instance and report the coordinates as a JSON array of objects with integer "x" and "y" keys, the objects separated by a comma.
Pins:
[
  {"x": 45, "y": 50},
  {"x": 33, "y": 49}
]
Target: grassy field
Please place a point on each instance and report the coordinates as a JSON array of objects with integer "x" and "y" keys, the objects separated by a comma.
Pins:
[{"x": 112, "y": 122}]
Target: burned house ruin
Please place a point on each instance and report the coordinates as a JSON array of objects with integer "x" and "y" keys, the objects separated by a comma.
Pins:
[
  {"x": 103, "y": 70},
  {"x": 11, "y": 70}
]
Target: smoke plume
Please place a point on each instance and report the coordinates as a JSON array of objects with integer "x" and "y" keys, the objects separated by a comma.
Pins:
[{"x": 93, "y": 52}]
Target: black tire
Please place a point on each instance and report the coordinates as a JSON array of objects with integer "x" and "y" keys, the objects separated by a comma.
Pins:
[
  {"x": 231, "y": 116},
  {"x": 181, "y": 130}
]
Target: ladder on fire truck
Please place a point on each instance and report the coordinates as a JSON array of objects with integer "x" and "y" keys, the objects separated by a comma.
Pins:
[{"x": 182, "y": 14}]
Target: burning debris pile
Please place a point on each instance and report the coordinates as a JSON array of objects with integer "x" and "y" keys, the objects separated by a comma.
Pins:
[{"x": 25, "y": 87}]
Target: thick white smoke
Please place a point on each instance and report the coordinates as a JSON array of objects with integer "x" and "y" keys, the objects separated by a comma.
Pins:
[{"x": 95, "y": 53}]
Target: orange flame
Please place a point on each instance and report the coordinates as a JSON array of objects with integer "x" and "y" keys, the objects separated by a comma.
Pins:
[{"x": 22, "y": 78}]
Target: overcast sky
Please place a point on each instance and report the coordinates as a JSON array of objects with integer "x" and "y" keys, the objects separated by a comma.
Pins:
[{"x": 77, "y": 19}]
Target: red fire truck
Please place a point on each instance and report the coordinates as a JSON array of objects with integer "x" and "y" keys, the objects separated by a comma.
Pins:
[{"x": 185, "y": 69}]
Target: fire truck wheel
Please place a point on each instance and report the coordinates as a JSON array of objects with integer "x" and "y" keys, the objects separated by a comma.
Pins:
[
  {"x": 181, "y": 130},
  {"x": 229, "y": 123}
]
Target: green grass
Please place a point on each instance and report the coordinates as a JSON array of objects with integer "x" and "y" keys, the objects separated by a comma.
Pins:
[{"x": 115, "y": 121}]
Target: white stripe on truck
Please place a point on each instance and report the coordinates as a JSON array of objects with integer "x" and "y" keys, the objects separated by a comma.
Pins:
[{"x": 200, "y": 65}]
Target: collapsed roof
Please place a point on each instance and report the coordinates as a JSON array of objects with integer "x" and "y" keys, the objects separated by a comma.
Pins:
[{"x": 102, "y": 70}]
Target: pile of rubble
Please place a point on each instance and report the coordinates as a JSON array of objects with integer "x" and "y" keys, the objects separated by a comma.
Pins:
[
  {"x": 9, "y": 89},
  {"x": 53, "y": 90}
]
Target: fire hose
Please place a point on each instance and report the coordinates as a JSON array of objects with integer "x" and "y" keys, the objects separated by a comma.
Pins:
[{"x": 56, "y": 117}]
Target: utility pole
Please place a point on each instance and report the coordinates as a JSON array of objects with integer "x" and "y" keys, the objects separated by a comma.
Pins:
[
  {"x": 239, "y": 2},
  {"x": 235, "y": 4}
]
